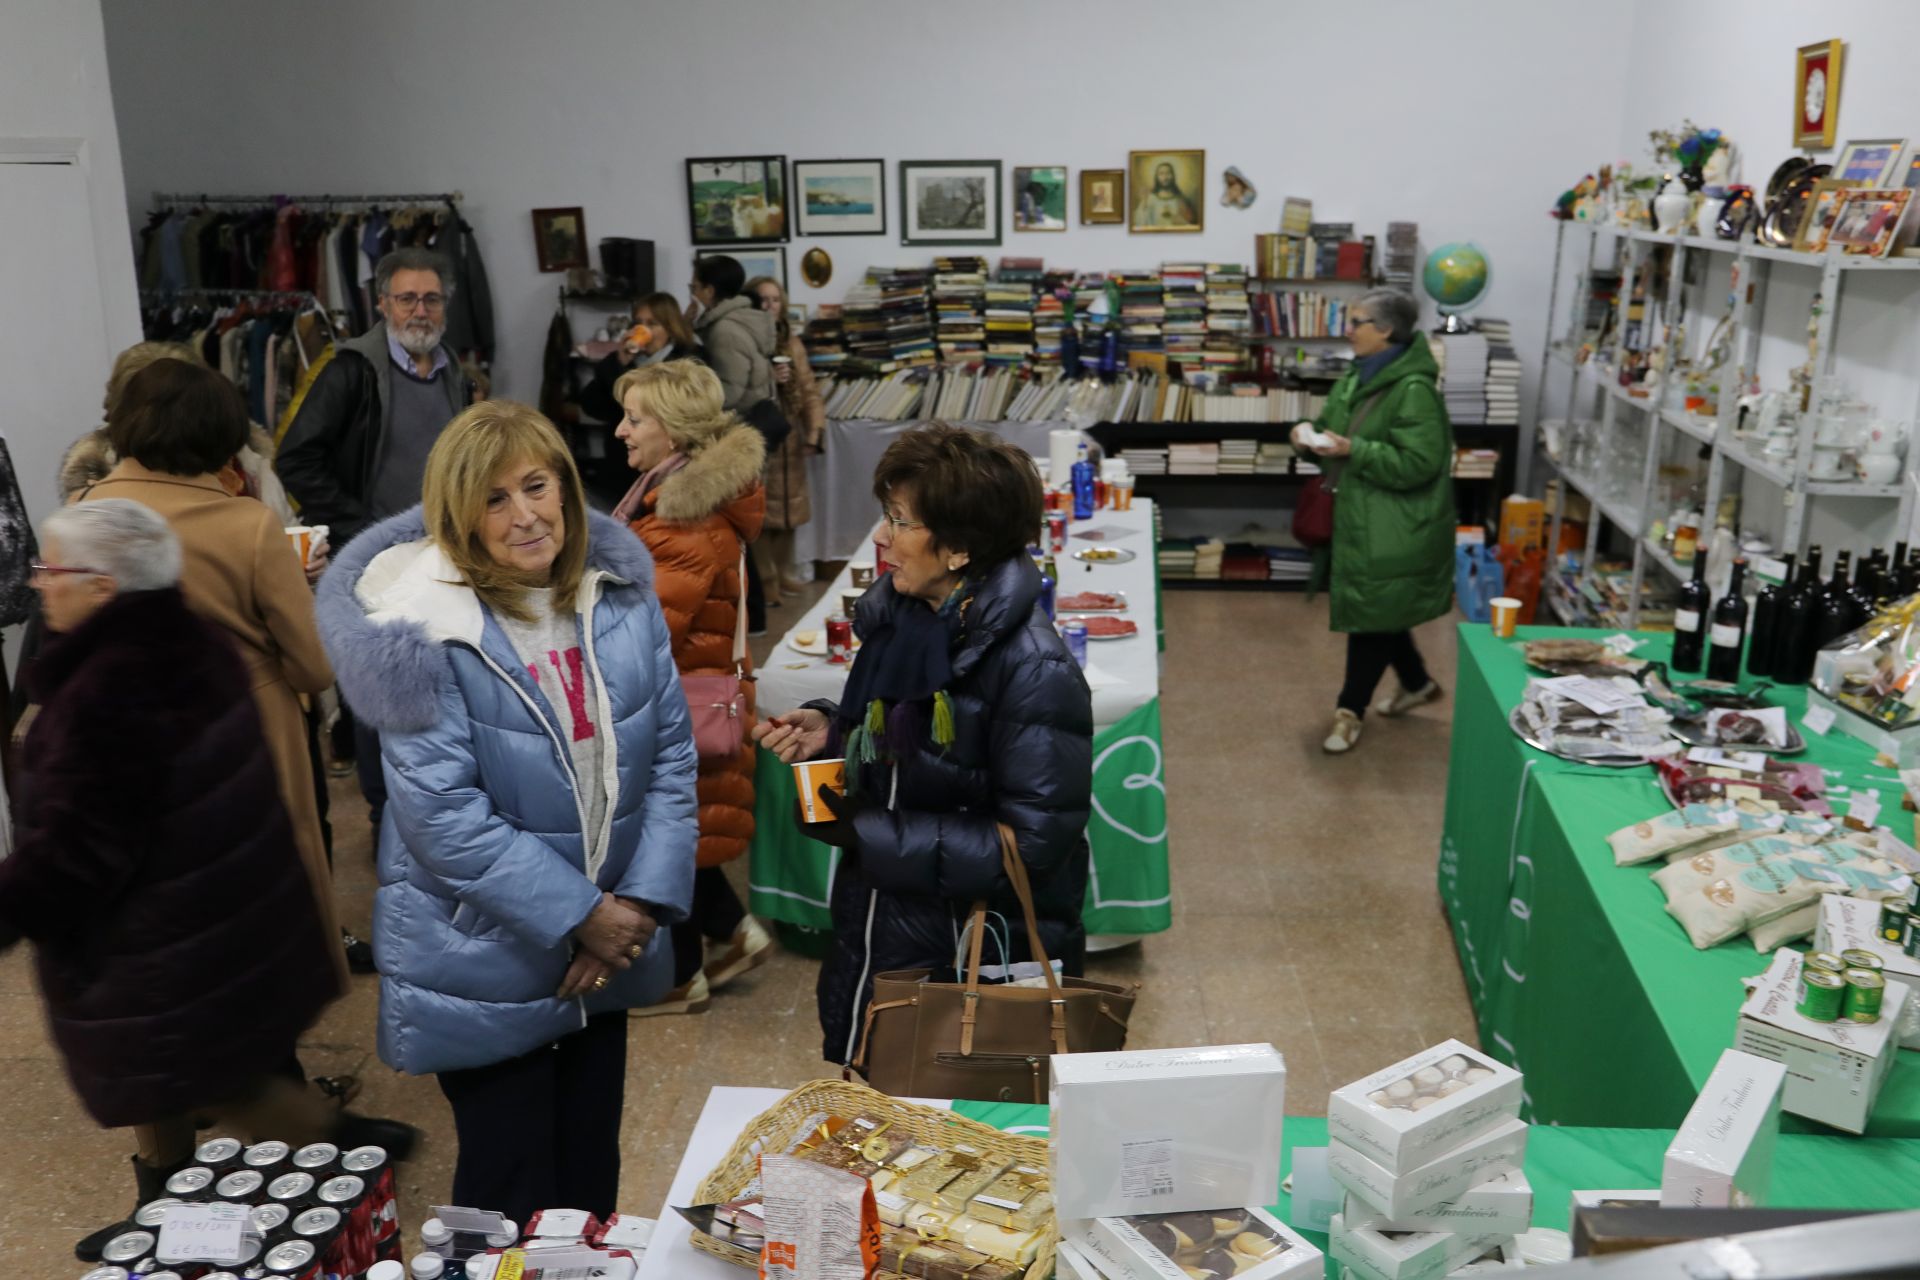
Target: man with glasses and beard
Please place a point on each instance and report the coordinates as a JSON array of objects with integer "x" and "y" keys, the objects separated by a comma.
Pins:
[{"x": 356, "y": 452}]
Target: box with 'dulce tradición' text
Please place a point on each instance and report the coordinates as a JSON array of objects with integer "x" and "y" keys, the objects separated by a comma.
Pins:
[
  {"x": 1722, "y": 1156},
  {"x": 1409, "y": 1114}
]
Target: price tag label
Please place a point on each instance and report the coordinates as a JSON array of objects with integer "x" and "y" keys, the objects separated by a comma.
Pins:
[
  {"x": 1621, "y": 643},
  {"x": 1865, "y": 806},
  {"x": 204, "y": 1233},
  {"x": 1817, "y": 721},
  {"x": 1745, "y": 761}
]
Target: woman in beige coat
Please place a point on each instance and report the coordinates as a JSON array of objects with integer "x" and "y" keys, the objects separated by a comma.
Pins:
[
  {"x": 789, "y": 499},
  {"x": 174, "y": 427}
]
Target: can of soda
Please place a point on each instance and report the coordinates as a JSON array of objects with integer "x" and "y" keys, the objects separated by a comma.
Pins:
[
  {"x": 291, "y": 1189},
  {"x": 192, "y": 1184},
  {"x": 242, "y": 1185},
  {"x": 297, "y": 1259},
  {"x": 151, "y": 1214},
  {"x": 127, "y": 1248},
  {"x": 1074, "y": 632},
  {"x": 219, "y": 1154},
  {"x": 266, "y": 1156},
  {"x": 269, "y": 1218},
  {"x": 1057, "y": 532},
  {"x": 106, "y": 1273},
  {"x": 318, "y": 1158},
  {"x": 382, "y": 1209},
  {"x": 839, "y": 639},
  {"x": 321, "y": 1220}
]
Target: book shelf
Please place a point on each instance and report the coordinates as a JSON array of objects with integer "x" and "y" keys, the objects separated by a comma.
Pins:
[{"x": 1751, "y": 265}]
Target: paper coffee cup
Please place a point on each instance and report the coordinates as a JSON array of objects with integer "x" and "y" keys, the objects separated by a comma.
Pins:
[
  {"x": 809, "y": 776},
  {"x": 850, "y": 599},
  {"x": 302, "y": 538},
  {"x": 1506, "y": 615},
  {"x": 862, "y": 571}
]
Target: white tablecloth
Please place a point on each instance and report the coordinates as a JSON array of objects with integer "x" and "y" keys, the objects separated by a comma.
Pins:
[
  {"x": 1123, "y": 674},
  {"x": 841, "y": 480}
]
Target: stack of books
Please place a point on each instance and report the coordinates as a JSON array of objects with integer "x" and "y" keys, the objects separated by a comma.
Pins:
[
  {"x": 1503, "y": 374},
  {"x": 1274, "y": 458},
  {"x": 865, "y": 326},
  {"x": 1237, "y": 457},
  {"x": 1207, "y": 555},
  {"x": 1327, "y": 237},
  {"x": 1302, "y": 313},
  {"x": 1194, "y": 458},
  {"x": 1049, "y": 323},
  {"x": 1277, "y": 256},
  {"x": 1289, "y": 564},
  {"x": 1475, "y": 464},
  {"x": 1143, "y": 312},
  {"x": 904, "y": 303},
  {"x": 1010, "y": 312},
  {"x": 825, "y": 339},
  {"x": 1182, "y": 287},
  {"x": 1229, "y": 319},
  {"x": 1463, "y": 372},
  {"x": 1146, "y": 460},
  {"x": 959, "y": 292},
  {"x": 1403, "y": 255},
  {"x": 1177, "y": 557}
]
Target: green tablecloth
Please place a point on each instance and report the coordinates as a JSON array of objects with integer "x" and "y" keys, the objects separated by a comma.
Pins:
[
  {"x": 1129, "y": 890},
  {"x": 1577, "y": 974},
  {"x": 1810, "y": 1171}
]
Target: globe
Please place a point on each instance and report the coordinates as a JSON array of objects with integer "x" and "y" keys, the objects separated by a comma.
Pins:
[{"x": 1456, "y": 276}]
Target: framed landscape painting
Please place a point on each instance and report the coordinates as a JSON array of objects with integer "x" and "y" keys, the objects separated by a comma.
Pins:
[
  {"x": 738, "y": 199},
  {"x": 1168, "y": 190},
  {"x": 950, "y": 202},
  {"x": 1040, "y": 197},
  {"x": 840, "y": 197}
]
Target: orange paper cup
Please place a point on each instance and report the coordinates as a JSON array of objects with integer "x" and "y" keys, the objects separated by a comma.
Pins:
[
  {"x": 1506, "y": 615},
  {"x": 302, "y": 538},
  {"x": 809, "y": 776}
]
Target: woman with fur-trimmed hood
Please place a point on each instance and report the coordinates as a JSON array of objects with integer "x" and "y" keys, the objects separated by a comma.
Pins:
[{"x": 698, "y": 504}]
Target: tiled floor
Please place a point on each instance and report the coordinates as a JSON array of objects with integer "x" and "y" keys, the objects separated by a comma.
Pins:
[{"x": 1306, "y": 914}]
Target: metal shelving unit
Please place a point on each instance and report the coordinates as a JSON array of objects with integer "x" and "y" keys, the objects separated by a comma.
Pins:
[{"x": 1750, "y": 268}]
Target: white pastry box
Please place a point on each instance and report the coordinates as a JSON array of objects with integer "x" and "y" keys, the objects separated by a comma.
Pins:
[
  {"x": 1408, "y": 1114},
  {"x": 1502, "y": 1202},
  {"x": 1834, "y": 1070},
  {"x": 1446, "y": 1178},
  {"x": 1254, "y": 1244},
  {"x": 1419, "y": 1255},
  {"x": 1166, "y": 1130},
  {"x": 1722, "y": 1156},
  {"x": 1852, "y": 924},
  {"x": 1069, "y": 1263}
]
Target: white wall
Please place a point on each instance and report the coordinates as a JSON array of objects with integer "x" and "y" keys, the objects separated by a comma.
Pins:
[
  {"x": 1468, "y": 120},
  {"x": 53, "y": 92}
]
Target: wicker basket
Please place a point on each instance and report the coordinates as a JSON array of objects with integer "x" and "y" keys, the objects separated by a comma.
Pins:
[{"x": 781, "y": 1125}]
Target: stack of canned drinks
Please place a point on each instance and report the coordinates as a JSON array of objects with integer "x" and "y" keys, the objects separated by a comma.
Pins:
[
  {"x": 1847, "y": 986},
  {"x": 1900, "y": 925},
  {"x": 317, "y": 1213}
]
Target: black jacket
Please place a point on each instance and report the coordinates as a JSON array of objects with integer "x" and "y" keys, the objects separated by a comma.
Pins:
[
  {"x": 180, "y": 951},
  {"x": 596, "y": 398},
  {"x": 1022, "y": 754},
  {"x": 327, "y": 457}
]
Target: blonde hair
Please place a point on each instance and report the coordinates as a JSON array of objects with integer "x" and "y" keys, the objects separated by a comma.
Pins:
[
  {"x": 684, "y": 396},
  {"x": 783, "y": 327},
  {"x": 137, "y": 357},
  {"x": 467, "y": 459}
]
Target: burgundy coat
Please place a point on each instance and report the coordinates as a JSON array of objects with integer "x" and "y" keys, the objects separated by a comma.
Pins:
[{"x": 180, "y": 951}]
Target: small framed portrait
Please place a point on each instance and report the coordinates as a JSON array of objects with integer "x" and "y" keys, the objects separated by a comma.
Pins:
[
  {"x": 738, "y": 199},
  {"x": 950, "y": 202},
  {"x": 840, "y": 197},
  {"x": 1103, "y": 196},
  {"x": 1871, "y": 221},
  {"x": 1040, "y": 197},
  {"x": 816, "y": 267},
  {"x": 1875, "y": 163},
  {"x": 1167, "y": 191},
  {"x": 1816, "y": 93},
  {"x": 1820, "y": 210},
  {"x": 755, "y": 260},
  {"x": 560, "y": 238}
]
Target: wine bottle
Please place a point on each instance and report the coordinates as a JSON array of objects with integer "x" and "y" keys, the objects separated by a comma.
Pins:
[
  {"x": 1689, "y": 618},
  {"x": 1864, "y": 595},
  {"x": 1793, "y": 660},
  {"x": 1910, "y": 575},
  {"x": 1764, "y": 650},
  {"x": 1729, "y": 629},
  {"x": 1834, "y": 616}
]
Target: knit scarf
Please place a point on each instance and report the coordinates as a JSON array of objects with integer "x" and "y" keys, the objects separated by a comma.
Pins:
[
  {"x": 904, "y": 660},
  {"x": 629, "y": 506}
]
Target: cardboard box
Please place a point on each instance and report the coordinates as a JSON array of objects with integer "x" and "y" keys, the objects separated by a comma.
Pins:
[
  {"x": 1850, "y": 924},
  {"x": 1403, "y": 1116},
  {"x": 1399, "y": 1195},
  {"x": 1502, "y": 1202},
  {"x": 1166, "y": 1130},
  {"x": 1834, "y": 1070},
  {"x": 1722, "y": 1156},
  {"x": 1523, "y": 523},
  {"x": 1420, "y": 1255},
  {"x": 1162, "y": 1246},
  {"x": 1071, "y": 1264}
]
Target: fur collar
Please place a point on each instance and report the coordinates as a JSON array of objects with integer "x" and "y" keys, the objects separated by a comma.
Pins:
[
  {"x": 391, "y": 603},
  {"x": 713, "y": 476}
]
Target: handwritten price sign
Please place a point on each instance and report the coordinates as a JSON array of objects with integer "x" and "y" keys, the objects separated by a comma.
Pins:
[{"x": 204, "y": 1233}]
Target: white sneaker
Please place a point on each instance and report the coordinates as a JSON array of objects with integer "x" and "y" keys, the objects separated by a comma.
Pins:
[
  {"x": 751, "y": 947},
  {"x": 1397, "y": 704},
  {"x": 1346, "y": 732},
  {"x": 692, "y": 996}
]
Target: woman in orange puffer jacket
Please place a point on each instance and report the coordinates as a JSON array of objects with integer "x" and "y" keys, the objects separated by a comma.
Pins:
[{"x": 697, "y": 505}]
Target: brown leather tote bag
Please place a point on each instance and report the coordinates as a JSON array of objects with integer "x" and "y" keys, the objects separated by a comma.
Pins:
[{"x": 987, "y": 1043}]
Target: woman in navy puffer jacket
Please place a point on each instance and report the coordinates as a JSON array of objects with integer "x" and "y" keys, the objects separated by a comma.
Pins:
[
  {"x": 983, "y": 718},
  {"x": 540, "y": 828}
]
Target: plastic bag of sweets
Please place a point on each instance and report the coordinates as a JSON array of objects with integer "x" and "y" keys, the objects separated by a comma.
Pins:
[{"x": 821, "y": 1223}]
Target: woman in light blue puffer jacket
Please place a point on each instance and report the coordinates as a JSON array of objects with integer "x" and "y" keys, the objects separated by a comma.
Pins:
[{"x": 540, "y": 825}]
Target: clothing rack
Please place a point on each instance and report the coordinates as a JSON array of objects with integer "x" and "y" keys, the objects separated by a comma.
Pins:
[
  {"x": 170, "y": 295},
  {"x": 164, "y": 199}
]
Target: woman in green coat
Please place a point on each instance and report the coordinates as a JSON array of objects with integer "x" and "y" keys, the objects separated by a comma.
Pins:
[{"x": 1393, "y": 518}]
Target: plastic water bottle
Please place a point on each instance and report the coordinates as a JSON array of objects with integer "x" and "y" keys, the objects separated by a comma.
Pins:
[{"x": 1083, "y": 485}]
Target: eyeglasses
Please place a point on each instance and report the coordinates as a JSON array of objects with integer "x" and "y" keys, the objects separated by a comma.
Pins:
[
  {"x": 45, "y": 570},
  {"x": 898, "y": 524},
  {"x": 1356, "y": 322},
  {"x": 408, "y": 301}
]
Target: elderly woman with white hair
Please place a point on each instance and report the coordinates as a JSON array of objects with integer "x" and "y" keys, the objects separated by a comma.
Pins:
[
  {"x": 179, "y": 948},
  {"x": 1390, "y": 449}
]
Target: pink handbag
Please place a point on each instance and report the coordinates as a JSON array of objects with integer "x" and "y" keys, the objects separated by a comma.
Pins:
[{"x": 717, "y": 705}]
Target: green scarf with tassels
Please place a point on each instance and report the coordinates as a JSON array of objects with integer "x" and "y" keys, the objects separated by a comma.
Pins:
[{"x": 902, "y": 666}]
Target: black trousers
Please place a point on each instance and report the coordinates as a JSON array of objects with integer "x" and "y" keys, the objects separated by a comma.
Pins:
[
  {"x": 543, "y": 1130},
  {"x": 716, "y": 914},
  {"x": 1369, "y": 654},
  {"x": 366, "y": 766},
  {"x": 756, "y": 597}
]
